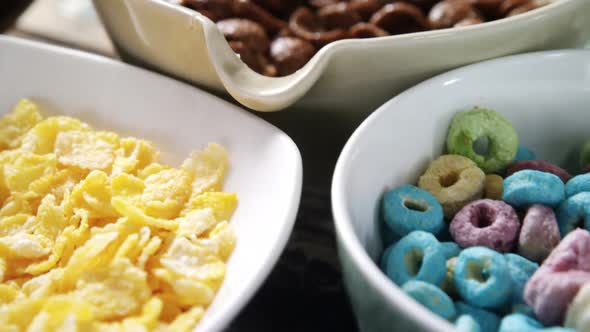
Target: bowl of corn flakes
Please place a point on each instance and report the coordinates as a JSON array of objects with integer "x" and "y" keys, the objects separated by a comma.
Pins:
[{"x": 130, "y": 201}]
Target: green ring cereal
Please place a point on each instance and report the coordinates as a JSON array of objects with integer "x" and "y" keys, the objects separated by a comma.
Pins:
[{"x": 469, "y": 126}]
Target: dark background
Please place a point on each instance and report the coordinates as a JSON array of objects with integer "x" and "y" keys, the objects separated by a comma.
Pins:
[{"x": 305, "y": 291}]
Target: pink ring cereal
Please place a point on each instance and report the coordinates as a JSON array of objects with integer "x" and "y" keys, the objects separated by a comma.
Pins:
[
  {"x": 550, "y": 293},
  {"x": 485, "y": 222},
  {"x": 572, "y": 253},
  {"x": 556, "y": 282},
  {"x": 539, "y": 233}
]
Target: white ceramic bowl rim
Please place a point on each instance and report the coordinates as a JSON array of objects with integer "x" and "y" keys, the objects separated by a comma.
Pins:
[
  {"x": 529, "y": 15},
  {"x": 239, "y": 300},
  {"x": 350, "y": 242},
  {"x": 265, "y": 93}
]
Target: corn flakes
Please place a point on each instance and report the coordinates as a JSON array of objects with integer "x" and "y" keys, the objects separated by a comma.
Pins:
[
  {"x": 86, "y": 149},
  {"x": 13, "y": 126},
  {"x": 97, "y": 235}
]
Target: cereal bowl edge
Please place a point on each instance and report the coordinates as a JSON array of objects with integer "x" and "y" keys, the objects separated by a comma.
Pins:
[
  {"x": 545, "y": 95},
  {"x": 185, "y": 44}
]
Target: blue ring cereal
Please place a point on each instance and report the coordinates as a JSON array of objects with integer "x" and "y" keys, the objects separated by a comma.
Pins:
[
  {"x": 577, "y": 184},
  {"x": 417, "y": 256},
  {"x": 482, "y": 277},
  {"x": 409, "y": 208},
  {"x": 521, "y": 270},
  {"x": 450, "y": 249},
  {"x": 466, "y": 323},
  {"x": 574, "y": 212},
  {"x": 431, "y": 297},
  {"x": 524, "y": 153},
  {"x": 487, "y": 320},
  {"x": 533, "y": 187},
  {"x": 519, "y": 323}
]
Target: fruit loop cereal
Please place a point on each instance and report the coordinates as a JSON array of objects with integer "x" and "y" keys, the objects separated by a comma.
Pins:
[
  {"x": 97, "y": 235},
  {"x": 519, "y": 259}
]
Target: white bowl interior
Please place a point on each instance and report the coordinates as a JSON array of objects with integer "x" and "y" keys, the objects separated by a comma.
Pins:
[
  {"x": 545, "y": 95},
  {"x": 265, "y": 170}
]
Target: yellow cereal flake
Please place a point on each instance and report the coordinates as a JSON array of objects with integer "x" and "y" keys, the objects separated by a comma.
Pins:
[
  {"x": 66, "y": 240},
  {"x": 51, "y": 219},
  {"x": 185, "y": 321},
  {"x": 223, "y": 204},
  {"x": 20, "y": 314},
  {"x": 72, "y": 238},
  {"x": 3, "y": 267},
  {"x": 126, "y": 185},
  {"x": 94, "y": 195},
  {"x": 197, "y": 260},
  {"x": 41, "y": 138},
  {"x": 8, "y": 294},
  {"x": 151, "y": 169},
  {"x": 61, "y": 313},
  {"x": 17, "y": 223},
  {"x": 57, "y": 184},
  {"x": 119, "y": 280},
  {"x": 97, "y": 235},
  {"x": 91, "y": 255},
  {"x": 147, "y": 320},
  {"x": 225, "y": 237},
  {"x": 136, "y": 214},
  {"x": 166, "y": 192},
  {"x": 15, "y": 205},
  {"x": 148, "y": 251},
  {"x": 128, "y": 248},
  {"x": 14, "y": 125},
  {"x": 26, "y": 169},
  {"x": 23, "y": 245},
  {"x": 208, "y": 168},
  {"x": 170, "y": 307},
  {"x": 42, "y": 286},
  {"x": 86, "y": 149},
  {"x": 195, "y": 223},
  {"x": 134, "y": 155}
]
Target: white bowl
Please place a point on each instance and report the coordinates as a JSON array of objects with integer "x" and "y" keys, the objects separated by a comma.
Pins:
[
  {"x": 345, "y": 76},
  {"x": 265, "y": 168},
  {"x": 545, "y": 95}
]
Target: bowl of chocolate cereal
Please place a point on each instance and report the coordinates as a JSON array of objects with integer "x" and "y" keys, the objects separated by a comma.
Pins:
[{"x": 336, "y": 55}]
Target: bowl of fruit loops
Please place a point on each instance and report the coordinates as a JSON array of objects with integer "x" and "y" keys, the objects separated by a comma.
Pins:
[{"x": 463, "y": 198}]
